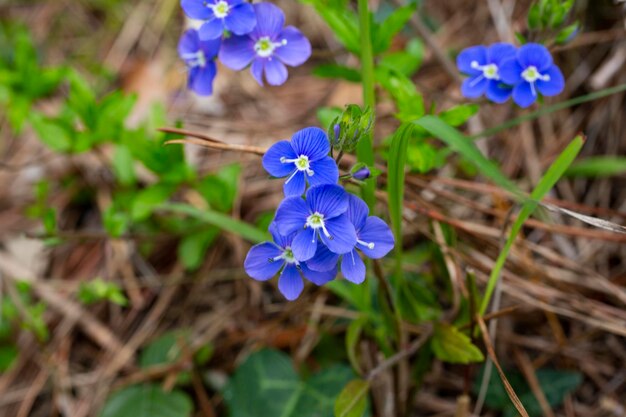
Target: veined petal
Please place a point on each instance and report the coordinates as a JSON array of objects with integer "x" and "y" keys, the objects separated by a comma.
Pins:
[
  {"x": 472, "y": 54},
  {"x": 259, "y": 264},
  {"x": 555, "y": 85},
  {"x": 536, "y": 55},
  {"x": 510, "y": 72},
  {"x": 196, "y": 9},
  {"x": 317, "y": 277},
  {"x": 499, "y": 52},
  {"x": 272, "y": 159},
  {"x": 295, "y": 184},
  {"x": 241, "y": 19},
  {"x": 312, "y": 142},
  {"x": 324, "y": 259},
  {"x": 270, "y": 20},
  {"x": 474, "y": 87},
  {"x": 281, "y": 240},
  {"x": 297, "y": 48},
  {"x": 275, "y": 72},
  {"x": 290, "y": 283},
  {"x": 291, "y": 215},
  {"x": 342, "y": 235},
  {"x": 498, "y": 92},
  {"x": 189, "y": 43},
  {"x": 237, "y": 52},
  {"x": 211, "y": 29},
  {"x": 325, "y": 171},
  {"x": 523, "y": 95},
  {"x": 304, "y": 244},
  {"x": 202, "y": 83},
  {"x": 377, "y": 232},
  {"x": 257, "y": 70},
  {"x": 353, "y": 267},
  {"x": 211, "y": 47},
  {"x": 357, "y": 212},
  {"x": 329, "y": 200}
]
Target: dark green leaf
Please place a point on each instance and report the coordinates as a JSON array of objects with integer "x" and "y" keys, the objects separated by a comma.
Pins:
[
  {"x": 148, "y": 199},
  {"x": 193, "y": 247},
  {"x": 147, "y": 400},
  {"x": 337, "y": 71},
  {"x": 352, "y": 400},
  {"x": 383, "y": 34},
  {"x": 450, "y": 345}
]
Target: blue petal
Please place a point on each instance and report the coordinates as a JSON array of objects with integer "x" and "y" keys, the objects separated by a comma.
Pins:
[
  {"x": 291, "y": 215},
  {"x": 275, "y": 72},
  {"x": 237, "y": 52},
  {"x": 498, "y": 92},
  {"x": 202, "y": 81},
  {"x": 297, "y": 48},
  {"x": 241, "y": 19},
  {"x": 211, "y": 29},
  {"x": 536, "y": 55},
  {"x": 211, "y": 47},
  {"x": 295, "y": 184},
  {"x": 499, "y": 52},
  {"x": 281, "y": 240},
  {"x": 474, "y": 87},
  {"x": 342, "y": 233},
  {"x": 312, "y": 142},
  {"x": 271, "y": 159},
  {"x": 523, "y": 95},
  {"x": 270, "y": 20},
  {"x": 290, "y": 283},
  {"x": 467, "y": 56},
  {"x": 510, "y": 72},
  {"x": 257, "y": 70},
  {"x": 189, "y": 43},
  {"x": 196, "y": 9},
  {"x": 377, "y": 232},
  {"x": 325, "y": 171},
  {"x": 258, "y": 264},
  {"x": 304, "y": 244},
  {"x": 555, "y": 85},
  {"x": 324, "y": 259},
  {"x": 357, "y": 212},
  {"x": 353, "y": 268},
  {"x": 317, "y": 277},
  {"x": 329, "y": 200}
]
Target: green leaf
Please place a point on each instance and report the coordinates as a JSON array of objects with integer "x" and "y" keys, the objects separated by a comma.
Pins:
[
  {"x": 598, "y": 166},
  {"x": 147, "y": 400},
  {"x": 341, "y": 21},
  {"x": 458, "y": 115},
  {"x": 115, "y": 223},
  {"x": 166, "y": 349},
  {"x": 337, "y": 71},
  {"x": 98, "y": 290},
  {"x": 410, "y": 103},
  {"x": 147, "y": 200},
  {"x": 352, "y": 400},
  {"x": 566, "y": 34},
  {"x": 124, "y": 165},
  {"x": 8, "y": 355},
  {"x": 450, "y": 345},
  {"x": 51, "y": 133},
  {"x": 406, "y": 62},
  {"x": 220, "y": 190},
  {"x": 534, "y": 17},
  {"x": 383, "y": 34},
  {"x": 193, "y": 247},
  {"x": 353, "y": 335}
]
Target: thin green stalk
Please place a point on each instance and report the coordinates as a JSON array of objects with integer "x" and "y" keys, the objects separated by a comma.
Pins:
[{"x": 365, "y": 150}]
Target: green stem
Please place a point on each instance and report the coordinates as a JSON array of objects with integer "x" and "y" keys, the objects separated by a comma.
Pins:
[{"x": 365, "y": 150}]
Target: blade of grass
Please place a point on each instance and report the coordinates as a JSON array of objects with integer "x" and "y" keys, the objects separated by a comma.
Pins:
[
  {"x": 550, "y": 178},
  {"x": 599, "y": 166},
  {"x": 221, "y": 220}
]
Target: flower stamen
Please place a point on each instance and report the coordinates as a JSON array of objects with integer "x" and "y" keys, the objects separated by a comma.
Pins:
[
  {"x": 220, "y": 9},
  {"x": 194, "y": 59},
  {"x": 264, "y": 47},
  {"x": 490, "y": 71},
  {"x": 369, "y": 245}
]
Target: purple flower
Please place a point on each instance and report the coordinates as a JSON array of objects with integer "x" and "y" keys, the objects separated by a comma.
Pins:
[
  {"x": 374, "y": 239},
  {"x": 362, "y": 174},
  {"x": 532, "y": 71},
  {"x": 199, "y": 57},
  {"x": 483, "y": 64},
  {"x": 236, "y": 16},
  {"x": 321, "y": 215},
  {"x": 266, "y": 259},
  {"x": 269, "y": 47},
  {"x": 304, "y": 159}
]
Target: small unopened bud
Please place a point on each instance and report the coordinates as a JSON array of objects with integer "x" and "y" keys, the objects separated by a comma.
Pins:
[
  {"x": 337, "y": 131},
  {"x": 361, "y": 174}
]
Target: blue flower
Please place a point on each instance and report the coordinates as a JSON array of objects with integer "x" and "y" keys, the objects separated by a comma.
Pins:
[
  {"x": 199, "y": 57},
  {"x": 266, "y": 259},
  {"x": 321, "y": 215},
  {"x": 483, "y": 65},
  {"x": 236, "y": 16},
  {"x": 304, "y": 159},
  {"x": 374, "y": 239},
  {"x": 269, "y": 47},
  {"x": 532, "y": 71}
]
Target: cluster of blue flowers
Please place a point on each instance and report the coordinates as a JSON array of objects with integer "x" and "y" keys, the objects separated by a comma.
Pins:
[
  {"x": 318, "y": 226},
  {"x": 240, "y": 35},
  {"x": 502, "y": 70}
]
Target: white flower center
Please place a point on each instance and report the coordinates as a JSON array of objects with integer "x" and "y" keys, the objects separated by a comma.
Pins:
[
  {"x": 286, "y": 256},
  {"x": 369, "y": 245},
  {"x": 531, "y": 75},
  {"x": 194, "y": 59},
  {"x": 220, "y": 9},
  {"x": 264, "y": 47},
  {"x": 490, "y": 71},
  {"x": 302, "y": 164},
  {"x": 316, "y": 221}
]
